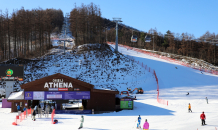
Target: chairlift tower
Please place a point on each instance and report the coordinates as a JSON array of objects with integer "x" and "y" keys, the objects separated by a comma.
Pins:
[{"x": 116, "y": 20}]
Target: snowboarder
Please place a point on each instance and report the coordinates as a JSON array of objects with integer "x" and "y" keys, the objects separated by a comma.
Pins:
[
  {"x": 139, "y": 122},
  {"x": 189, "y": 107},
  {"x": 206, "y": 100},
  {"x": 146, "y": 125},
  {"x": 202, "y": 117},
  {"x": 81, "y": 124},
  {"x": 34, "y": 115},
  {"x": 187, "y": 93}
]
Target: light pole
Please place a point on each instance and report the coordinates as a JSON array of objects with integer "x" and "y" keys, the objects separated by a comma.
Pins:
[{"x": 116, "y": 20}]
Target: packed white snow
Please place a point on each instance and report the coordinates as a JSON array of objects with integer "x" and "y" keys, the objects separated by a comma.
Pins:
[{"x": 174, "y": 84}]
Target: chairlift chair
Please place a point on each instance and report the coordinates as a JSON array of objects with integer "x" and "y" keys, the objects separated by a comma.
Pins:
[
  {"x": 134, "y": 38},
  {"x": 147, "y": 38}
]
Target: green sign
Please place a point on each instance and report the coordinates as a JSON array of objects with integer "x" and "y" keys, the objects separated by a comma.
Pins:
[
  {"x": 9, "y": 72},
  {"x": 126, "y": 104}
]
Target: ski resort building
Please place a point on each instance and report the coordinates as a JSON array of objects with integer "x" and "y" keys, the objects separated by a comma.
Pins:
[{"x": 59, "y": 89}]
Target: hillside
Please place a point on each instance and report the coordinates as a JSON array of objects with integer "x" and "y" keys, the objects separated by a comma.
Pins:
[
  {"x": 96, "y": 64},
  {"x": 174, "y": 84}
]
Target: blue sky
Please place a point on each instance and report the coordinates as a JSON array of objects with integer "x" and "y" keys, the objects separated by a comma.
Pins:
[{"x": 179, "y": 16}]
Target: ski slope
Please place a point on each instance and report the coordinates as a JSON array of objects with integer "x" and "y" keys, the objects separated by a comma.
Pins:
[{"x": 174, "y": 84}]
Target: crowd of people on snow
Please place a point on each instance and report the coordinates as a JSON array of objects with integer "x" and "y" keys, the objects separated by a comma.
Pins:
[
  {"x": 37, "y": 109},
  {"x": 145, "y": 125}
]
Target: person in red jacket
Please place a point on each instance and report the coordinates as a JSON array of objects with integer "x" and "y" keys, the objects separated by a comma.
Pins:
[{"x": 203, "y": 117}]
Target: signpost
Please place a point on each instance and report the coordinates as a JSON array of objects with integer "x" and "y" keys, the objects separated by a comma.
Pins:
[{"x": 126, "y": 103}]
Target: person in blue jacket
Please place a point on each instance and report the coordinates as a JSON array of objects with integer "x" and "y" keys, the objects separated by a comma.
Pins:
[
  {"x": 139, "y": 122},
  {"x": 24, "y": 109},
  {"x": 18, "y": 107}
]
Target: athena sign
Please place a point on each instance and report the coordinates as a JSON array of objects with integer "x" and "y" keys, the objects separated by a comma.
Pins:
[{"x": 58, "y": 83}]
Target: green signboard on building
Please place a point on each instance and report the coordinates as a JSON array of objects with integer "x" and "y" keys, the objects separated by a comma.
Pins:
[{"x": 126, "y": 104}]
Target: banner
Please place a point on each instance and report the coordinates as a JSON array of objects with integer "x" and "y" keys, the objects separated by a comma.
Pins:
[{"x": 49, "y": 95}]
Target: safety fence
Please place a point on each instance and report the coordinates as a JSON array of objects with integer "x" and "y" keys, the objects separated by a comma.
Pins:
[
  {"x": 52, "y": 116},
  {"x": 161, "y": 101},
  {"x": 168, "y": 59},
  {"x": 21, "y": 116}
]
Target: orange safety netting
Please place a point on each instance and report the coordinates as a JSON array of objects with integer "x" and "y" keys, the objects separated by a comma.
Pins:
[
  {"x": 168, "y": 59},
  {"x": 52, "y": 116},
  {"x": 19, "y": 118},
  {"x": 162, "y": 101}
]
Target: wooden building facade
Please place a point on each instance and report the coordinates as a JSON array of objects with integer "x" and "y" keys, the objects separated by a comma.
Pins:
[{"x": 100, "y": 100}]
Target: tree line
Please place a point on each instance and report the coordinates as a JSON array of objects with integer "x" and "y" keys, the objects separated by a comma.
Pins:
[
  {"x": 205, "y": 48},
  {"x": 86, "y": 24},
  {"x": 27, "y": 33}
]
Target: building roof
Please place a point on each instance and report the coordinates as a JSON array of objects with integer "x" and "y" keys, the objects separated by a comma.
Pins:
[
  {"x": 16, "y": 96},
  {"x": 40, "y": 82},
  {"x": 105, "y": 91},
  {"x": 58, "y": 75},
  {"x": 124, "y": 96}
]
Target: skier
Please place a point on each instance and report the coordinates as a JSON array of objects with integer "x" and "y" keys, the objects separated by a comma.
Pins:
[
  {"x": 189, "y": 108},
  {"x": 81, "y": 124},
  {"x": 202, "y": 117},
  {"x": 146, "y": 125},
  {"x": 206, "y": 100},
  {"x": 139, "y": 122}
]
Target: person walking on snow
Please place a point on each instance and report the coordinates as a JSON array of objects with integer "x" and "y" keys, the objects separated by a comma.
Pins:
[
  {"x": 139, "y": 122},
  {"x": 202, "y": 117},
  {"x": 34, "y": 115},
  {"x": 81, "y": 124},
  {"x": 189, "y": 108},
  {"x": 146, "y": 125},
  {"x": 206, "y": 100}
]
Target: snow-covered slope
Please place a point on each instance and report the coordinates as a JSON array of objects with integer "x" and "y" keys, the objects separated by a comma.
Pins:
[
  {"x": 174, "y": 83},
  {"x": 104, "y": 69}
]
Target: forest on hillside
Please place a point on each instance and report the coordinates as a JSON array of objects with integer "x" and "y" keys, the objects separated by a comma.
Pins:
[
  {"x": 27, "y": 33},
  {"x": 88, "y": 26}
]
